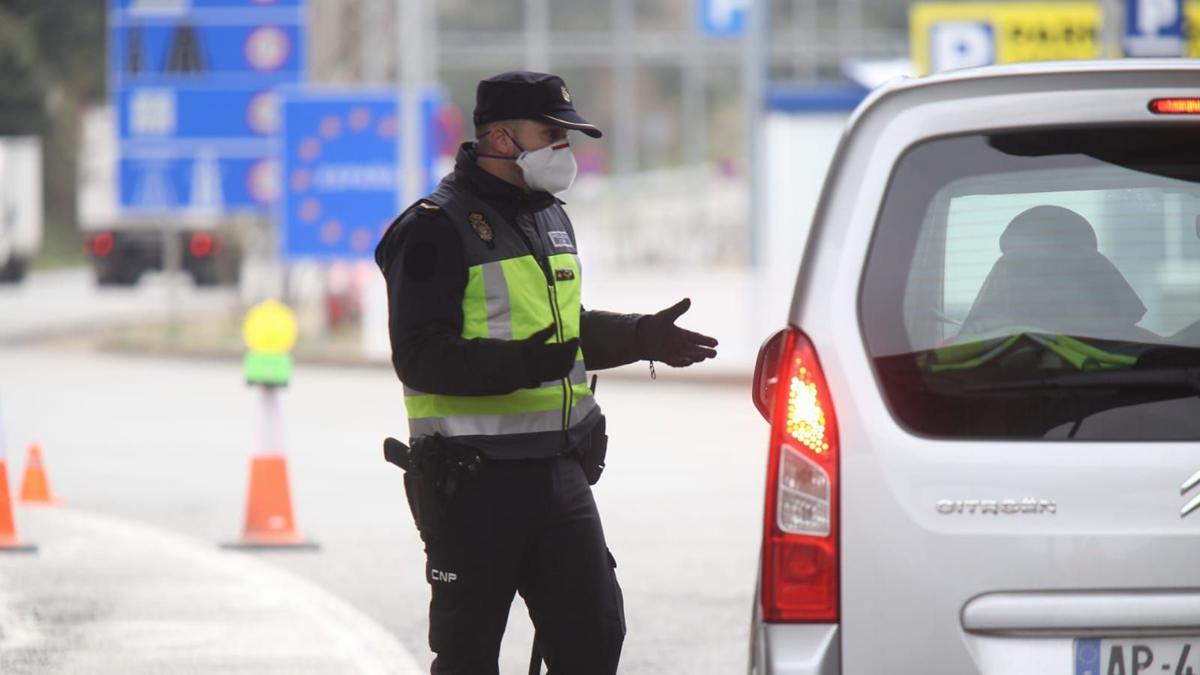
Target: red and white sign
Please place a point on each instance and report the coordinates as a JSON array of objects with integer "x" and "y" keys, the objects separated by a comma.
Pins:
[{"x": 268, "y": 48}]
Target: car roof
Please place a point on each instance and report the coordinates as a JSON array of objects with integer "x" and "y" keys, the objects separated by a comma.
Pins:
[
  {"x": 1017, "y": 77},
  {"x": 1081, "y": 67}
]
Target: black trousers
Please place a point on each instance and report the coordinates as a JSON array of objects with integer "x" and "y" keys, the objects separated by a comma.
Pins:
[{"x": 528, "y": 527}]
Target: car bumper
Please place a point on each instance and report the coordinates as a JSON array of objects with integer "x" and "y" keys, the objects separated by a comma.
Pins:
[{"x": 796, "y": 649}]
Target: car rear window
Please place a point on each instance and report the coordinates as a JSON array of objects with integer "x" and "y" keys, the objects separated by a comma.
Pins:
[{"x": 1041, "y": 284}]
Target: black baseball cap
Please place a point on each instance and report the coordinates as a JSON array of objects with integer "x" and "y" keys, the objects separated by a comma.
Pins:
[{"x": 521, "y": 94}]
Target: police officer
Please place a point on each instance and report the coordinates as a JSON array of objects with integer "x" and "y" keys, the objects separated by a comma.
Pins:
[{"x": 492, "y": 345}]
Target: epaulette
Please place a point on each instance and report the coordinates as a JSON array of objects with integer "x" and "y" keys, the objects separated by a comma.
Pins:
[{"x": 428, "y": 209}]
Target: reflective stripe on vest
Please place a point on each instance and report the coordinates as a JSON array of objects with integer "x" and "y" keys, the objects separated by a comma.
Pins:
[{"x": 511, "y": 300}]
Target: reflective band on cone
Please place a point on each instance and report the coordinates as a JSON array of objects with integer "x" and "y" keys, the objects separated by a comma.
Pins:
[{"x": 35, "y": 486}]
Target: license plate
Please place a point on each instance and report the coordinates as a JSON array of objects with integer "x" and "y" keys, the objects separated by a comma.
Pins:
[{"x": 1135, "y": 656}]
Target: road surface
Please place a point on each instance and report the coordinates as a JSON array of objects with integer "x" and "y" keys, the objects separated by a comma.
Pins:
[{"x": 166, "y": 443}]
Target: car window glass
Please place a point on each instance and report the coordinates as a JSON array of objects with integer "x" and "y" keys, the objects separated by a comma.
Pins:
[{"x": 1007, "y": 262}]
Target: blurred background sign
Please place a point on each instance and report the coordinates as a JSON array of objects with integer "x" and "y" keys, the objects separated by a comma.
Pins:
[
  {"x": 947, "y": 36},
  {"x": 197, "y": 181},
  {"x": 192, "y": 85},
  {"x": 171, "y": 46},
  {"x": 1154, "y": 28},
  {"x": 339, "y": 149},
  {"x": 723, "y": 18},
  {"x": 961, "y": 44},
  {"x": 158, "y": 7}
]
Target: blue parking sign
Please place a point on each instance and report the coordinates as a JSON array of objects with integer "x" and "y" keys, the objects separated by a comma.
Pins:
[
  {"x": 722, "y": 18},
  {"x": 961, "y": 44},
  {"x": 340, "y": 171},
  {"x": 1154, "y": 28}
]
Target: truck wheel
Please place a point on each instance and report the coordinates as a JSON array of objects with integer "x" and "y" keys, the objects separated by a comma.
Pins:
[
  {"x": 205, "y": 277},
  {"x": 117, "y": 275},
  {"x": 14, "y": 270},
  {"x": 224, "y": 270}
]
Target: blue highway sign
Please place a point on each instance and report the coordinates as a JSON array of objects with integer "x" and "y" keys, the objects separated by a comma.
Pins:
[
  {"x": 204, "y": 183},
  {"x": 193, "y": 85},
  {"x": 163, "y": 115},
  {"x": 166, "y": 49},
  {"x": 167, "y": 7}
]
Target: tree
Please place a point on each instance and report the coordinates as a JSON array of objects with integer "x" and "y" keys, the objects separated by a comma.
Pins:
[{"x": 52, "y": 65}]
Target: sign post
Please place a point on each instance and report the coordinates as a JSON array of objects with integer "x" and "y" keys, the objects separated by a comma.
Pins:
[
  {"x": 269, "y": 331},
  {"x": 346, "y": 177}
]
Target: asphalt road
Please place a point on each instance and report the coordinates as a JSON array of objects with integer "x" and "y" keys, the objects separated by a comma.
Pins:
[{"x": 167, "y": 443}]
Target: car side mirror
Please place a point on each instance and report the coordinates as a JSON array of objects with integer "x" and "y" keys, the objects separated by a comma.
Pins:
[{"x": 766, "y": 373}]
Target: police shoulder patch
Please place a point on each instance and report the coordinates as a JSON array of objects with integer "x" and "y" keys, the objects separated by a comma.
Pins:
[{"x": 481, "y": 227}]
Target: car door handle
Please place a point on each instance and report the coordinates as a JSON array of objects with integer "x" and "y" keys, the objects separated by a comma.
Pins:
[{"x": 1083, "y": 612}]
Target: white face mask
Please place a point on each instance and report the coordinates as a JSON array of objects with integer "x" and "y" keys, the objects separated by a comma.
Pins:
[{"x": 550, "y": 169}]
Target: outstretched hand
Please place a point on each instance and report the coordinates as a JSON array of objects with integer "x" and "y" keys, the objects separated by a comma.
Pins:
[{"x": 659, "y": 339}]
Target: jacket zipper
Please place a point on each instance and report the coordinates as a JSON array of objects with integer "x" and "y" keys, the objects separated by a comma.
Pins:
[{"x": 552, "y": 296}]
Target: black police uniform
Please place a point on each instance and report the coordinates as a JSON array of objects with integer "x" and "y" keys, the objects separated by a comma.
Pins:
[{"x": 518, "y": 522}]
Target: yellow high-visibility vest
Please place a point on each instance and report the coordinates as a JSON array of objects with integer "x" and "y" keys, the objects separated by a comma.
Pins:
[{"x": 510, "y": 295}]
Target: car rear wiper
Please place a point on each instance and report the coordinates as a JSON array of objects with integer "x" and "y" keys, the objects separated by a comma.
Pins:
[{"x": 1158, "y": 378}]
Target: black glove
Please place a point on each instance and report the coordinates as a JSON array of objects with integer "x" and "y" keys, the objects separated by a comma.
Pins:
[
  {"x": 545, "y": 362},
  {"x": 659, "y": 339}
]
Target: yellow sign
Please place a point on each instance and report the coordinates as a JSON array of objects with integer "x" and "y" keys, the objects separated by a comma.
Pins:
[
  {"x": 946, "y": 36},
  {"x": 269, "y": 327},
  {"x": 1191, "y": 29}
]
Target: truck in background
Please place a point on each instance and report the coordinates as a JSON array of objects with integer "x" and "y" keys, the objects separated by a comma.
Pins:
[
  {"x": 122, "y": 247},
  {"x": 20, "y": 205}
]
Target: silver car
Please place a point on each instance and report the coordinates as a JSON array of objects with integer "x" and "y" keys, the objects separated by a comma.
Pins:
[{"x": 985, "y": 411}]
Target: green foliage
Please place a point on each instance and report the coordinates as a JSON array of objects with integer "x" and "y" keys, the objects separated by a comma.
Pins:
[
  {"x": 22, "y": 99},
  {"x": 52, "y": 60}
]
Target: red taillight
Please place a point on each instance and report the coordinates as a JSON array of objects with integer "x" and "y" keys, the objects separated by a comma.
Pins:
[
  {"x": 102, "y": 244},
  {"x": 204, "y": 244},
  {"x": 1175, "y": 106},
  {"x": 800, "y": 528}
]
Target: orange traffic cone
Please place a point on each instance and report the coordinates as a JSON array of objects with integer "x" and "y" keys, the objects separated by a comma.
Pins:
[
  {"x": 35, "y": 487},
  {"x": 269, "y": 519},
  {"x": 8, "y": 529}
]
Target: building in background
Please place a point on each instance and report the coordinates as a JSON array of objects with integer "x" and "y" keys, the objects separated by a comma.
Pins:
[{"x": 667, "y": 88}]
